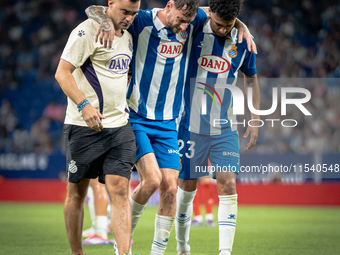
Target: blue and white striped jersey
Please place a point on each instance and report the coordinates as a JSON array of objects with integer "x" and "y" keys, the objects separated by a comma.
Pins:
[
  {"x": 213, "y": 60},
  {"x": 159, "y": 65}
]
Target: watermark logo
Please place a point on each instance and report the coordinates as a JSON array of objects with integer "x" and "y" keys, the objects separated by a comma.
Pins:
[
  {"x": 204, "y": 97},
  {"x": 238, "y": 104}
]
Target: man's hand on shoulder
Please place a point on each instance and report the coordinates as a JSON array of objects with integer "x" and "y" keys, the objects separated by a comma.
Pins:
[
  {"x": 243, "y": 32},
  {"x": 106, "y": 30}
]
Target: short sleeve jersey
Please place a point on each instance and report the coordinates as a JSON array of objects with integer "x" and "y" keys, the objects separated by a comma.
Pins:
[
  {"x": 159, "y": 65},
  {"x": 100, "y": 74},
  {"x": 214, "y": 60}
]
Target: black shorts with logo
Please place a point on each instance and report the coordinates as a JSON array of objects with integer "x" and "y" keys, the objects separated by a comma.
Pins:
[{"x": 90, "y": 153}]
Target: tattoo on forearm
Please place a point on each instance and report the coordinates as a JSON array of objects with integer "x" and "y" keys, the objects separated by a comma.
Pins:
[
  {"x": 105, "y": 26},
  {"x": 97, "y": 13}
]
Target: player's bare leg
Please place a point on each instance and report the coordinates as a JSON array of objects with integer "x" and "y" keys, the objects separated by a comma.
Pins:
[
  {"x": 166, "y": 210},
  {"x": 185, "y": 196},
  {"x": 100, "y": 200},
  {"x": 227, "y": 210},
  {"x": 74, "y": 213},
  {"x": 118, "y": 189},
  {"x": 150, "y": 179},
  {"x": 226, "y": 183},
  {"x": 167, "y": 192}
]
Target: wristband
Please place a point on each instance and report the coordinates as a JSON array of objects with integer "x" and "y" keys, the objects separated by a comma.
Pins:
[{"x": 82, "y": 104}]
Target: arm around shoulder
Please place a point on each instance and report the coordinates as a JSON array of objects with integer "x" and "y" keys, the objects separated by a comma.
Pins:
[
  {"x": 243, "y": 32},
  {"x": 106, "y": 31}
]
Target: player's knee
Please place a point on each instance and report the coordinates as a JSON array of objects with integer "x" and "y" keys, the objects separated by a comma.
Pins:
[
  {"x": 75, "y": 197},
  {"x": 187, "y": 185},
  {"x": 152, "y": 183},
  {"x": 168, "y": 192},
  {"x": 76, "y": 193},
  {"x": 118, "y": 187},
  {"x": 119, "y": 192}
]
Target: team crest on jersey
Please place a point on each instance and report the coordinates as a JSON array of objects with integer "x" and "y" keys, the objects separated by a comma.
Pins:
[
  {"x": 170, "y": 49},
  {"x": 118, "y": 64},
  {"x": 184, "y": 34},
  {"x": 72, "y": 168},
  {"x": 233, "y": 52},
  {"x": 213, "y": 64}
]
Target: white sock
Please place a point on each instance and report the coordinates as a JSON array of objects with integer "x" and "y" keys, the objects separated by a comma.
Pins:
[
  {"x": 227, "y": 215},
  {"x": 199, "y": 218},
  {"x": 209, "y": 216},
  {"x": 183, "y": 218},
  {"x": 137, "y": 210},
  {"x": 91, "y": 206},
  {"x": 163, "y": 226},
  {"x": 101, "y": 226}
]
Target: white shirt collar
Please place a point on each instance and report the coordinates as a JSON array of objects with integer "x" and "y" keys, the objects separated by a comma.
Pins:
[
  {"x": 207, "y": 30},
  {"x": 156, "y": 21}
]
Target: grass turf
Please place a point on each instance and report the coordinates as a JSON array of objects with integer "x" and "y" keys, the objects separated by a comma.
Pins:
[{"x": 27, "y": 228}]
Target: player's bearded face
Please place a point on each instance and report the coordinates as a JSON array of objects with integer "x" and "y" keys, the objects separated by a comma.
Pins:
[
  {"x": 221, "y": 27},
  {"x": 177, "y": 21}
]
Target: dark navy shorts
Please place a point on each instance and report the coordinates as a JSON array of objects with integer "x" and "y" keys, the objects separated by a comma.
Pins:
[{"x": 92, "y": 154}]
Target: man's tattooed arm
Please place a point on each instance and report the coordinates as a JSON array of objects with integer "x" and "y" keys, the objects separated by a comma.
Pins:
[{"x": 106, "y": 31}]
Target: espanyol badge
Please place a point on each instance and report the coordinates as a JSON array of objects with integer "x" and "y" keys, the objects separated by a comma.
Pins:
[
  {"x": 184, "y": 34},
  {"x": 72, "y": 168},
  {"x": 233, "y": 52}
]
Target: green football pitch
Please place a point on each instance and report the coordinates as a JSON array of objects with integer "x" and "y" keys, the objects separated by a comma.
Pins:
[{"x": 27, "y": 228}]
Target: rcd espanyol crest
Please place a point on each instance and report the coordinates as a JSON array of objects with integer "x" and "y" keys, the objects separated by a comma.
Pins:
[{"x": 72, "y": 168}]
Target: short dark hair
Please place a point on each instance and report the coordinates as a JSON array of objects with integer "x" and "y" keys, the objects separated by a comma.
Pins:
[
  {"x": 191, "y": 6},
  {"x": 226, "y": 9}
]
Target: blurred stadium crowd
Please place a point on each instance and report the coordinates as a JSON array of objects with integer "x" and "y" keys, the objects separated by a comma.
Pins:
[{"x": 298, "y": 40}]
